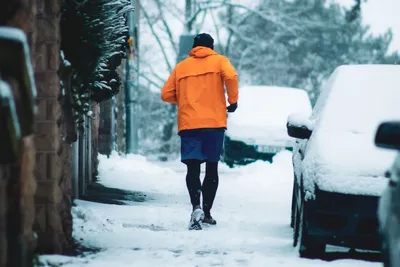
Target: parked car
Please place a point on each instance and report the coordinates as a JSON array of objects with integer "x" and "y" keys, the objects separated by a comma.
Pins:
[
  {"x": 257, "y": 130},
  {"x": 388, "y": 136},
  {"x": 338, "y": 171}
]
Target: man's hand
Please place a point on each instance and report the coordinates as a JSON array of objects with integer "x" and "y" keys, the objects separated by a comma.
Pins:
[{"x": 232, "y": 107}]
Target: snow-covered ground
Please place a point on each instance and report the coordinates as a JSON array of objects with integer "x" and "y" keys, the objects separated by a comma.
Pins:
[{"x": 252, "y": 209}]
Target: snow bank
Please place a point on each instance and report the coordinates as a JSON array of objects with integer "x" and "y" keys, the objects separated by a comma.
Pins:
[
  {"x": 130, "y": 170},
  {"x": 342, "y": 156},
  {"x": 263, "y": 111}
]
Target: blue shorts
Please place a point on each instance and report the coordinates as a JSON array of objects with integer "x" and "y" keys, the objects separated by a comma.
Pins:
[{"x": 202, "y": 144}]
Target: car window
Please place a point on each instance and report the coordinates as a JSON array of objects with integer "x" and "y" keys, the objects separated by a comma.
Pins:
[{"x": 323, "y": 97}]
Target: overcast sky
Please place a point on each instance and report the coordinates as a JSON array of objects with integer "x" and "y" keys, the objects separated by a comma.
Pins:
[{"x": 381, "y": 15}]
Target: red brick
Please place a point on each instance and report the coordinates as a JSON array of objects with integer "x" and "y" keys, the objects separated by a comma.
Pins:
[
  {"x": 40, "y": 58},
  {"x": 47, "y": 137},
  {"x": 47, "y": 84},
  {"x": 53, "y": 60}
]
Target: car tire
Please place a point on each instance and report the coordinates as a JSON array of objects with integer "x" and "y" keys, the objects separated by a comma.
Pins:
[
  {"x": 292, "y": 216},
  {"x": 296, "y": 215},
  {"x": 309, "y": 247},
  {"x": 296, "y": 227}
]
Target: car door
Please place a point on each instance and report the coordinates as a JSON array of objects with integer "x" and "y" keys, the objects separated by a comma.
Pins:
[{"x": 393, "y": 217}]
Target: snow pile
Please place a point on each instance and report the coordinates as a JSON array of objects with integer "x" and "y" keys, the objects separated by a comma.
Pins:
[
  {"x": 263, "y": 112},
  {"x": 131, "y": 169},
  {"x": 266, "y": 179},
  {"x": 342, "y": 156},
  {"x": 93, "y": 221}
]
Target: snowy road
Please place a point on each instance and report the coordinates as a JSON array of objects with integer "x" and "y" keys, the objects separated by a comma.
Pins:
[{"x": 252, "y": 209}]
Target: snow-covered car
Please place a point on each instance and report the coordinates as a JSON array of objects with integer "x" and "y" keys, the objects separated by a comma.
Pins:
[
  {"x": 257, "y": 130},
  {"x": 338, "y": 170},
  {"x": 388, "y": 136}
]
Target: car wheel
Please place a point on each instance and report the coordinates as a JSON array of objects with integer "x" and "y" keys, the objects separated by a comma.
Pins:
[
  {"x": 296, "y": 226},
  {"x": 293, "y": 203},
  {"x": 296, "y": 215},
  {"x": 309, "y": 247}
]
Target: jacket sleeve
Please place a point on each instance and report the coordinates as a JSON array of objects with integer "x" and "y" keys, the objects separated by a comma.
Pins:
[
  {"x": 231, "y": 80},
  {"x": 168, "y": 92}
]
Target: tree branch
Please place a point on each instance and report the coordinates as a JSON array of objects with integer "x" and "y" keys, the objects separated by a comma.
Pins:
[
  {"x": 167, "y": 28},
  {"x": 157, "y": 38},
  {"x": 143, "y": 75},
  {"x": 230, "y": 32},
  {"x": 154, "y": 73},
  {"x": 216, "y": 28}
]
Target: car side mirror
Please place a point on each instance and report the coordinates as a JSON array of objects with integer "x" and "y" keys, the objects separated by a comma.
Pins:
[
  {"x": 299, "y": 126},
  {"x": 388, "y": 135}
]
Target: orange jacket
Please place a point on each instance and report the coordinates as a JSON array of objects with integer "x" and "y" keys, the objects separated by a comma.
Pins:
[{"x": 196, "y": 85}]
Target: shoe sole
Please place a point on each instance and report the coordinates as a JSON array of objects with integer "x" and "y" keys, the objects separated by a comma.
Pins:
[
  {"x": 195, "y": 219},
  {"x": 207, "y": 223}
]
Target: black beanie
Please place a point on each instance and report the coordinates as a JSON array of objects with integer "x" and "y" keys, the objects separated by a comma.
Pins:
[{"x": 203, "y": 39}]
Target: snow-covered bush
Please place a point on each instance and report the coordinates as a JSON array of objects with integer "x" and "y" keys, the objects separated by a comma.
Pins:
[{"x": 94, "y": 40}]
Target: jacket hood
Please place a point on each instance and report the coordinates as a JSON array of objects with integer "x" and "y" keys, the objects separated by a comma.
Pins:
[{"x": 202, "y": 52}]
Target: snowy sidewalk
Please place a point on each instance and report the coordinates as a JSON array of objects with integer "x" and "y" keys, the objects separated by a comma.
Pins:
[{"x": 252, "y": 209}]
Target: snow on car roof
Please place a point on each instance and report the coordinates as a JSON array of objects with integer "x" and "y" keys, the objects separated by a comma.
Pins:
[
  {"x": 342, "y": 154},
  {"x": 263, "y": 111},
  {"x": 362, "y": 96}
]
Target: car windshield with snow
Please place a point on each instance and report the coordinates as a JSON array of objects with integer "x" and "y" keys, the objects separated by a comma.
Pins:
[
  {"x": 257, "y": 130},
  {"x": 339, "y": 172}
]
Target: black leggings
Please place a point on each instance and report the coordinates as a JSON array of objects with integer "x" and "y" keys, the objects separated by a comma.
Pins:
[{"x": 209, "y": 187}]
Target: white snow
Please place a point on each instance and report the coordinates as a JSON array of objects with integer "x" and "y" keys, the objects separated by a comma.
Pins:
[
  {"x": 299, "y": 120},
  {"x": 341, "y": 154},
  {"x": 252, "y": 209},
  {"x": 263, "y": 112}
]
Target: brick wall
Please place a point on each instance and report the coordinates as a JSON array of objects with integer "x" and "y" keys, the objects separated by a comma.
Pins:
[
  {"x": 3, "y": 210},
  {"x": 49, "y": 169},
  {"x": 28, "y": 190},
  {"x": 66, "y": 200}
]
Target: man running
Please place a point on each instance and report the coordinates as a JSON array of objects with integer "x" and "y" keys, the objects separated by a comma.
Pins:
[{"x": 196, "y": 85}]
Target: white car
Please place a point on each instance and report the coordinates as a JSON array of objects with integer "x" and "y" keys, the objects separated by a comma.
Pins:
[
  {"x": 339, "y": 172},
  {"x": 388, "y": 136},
  {"x": 257, "y": 129}
]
